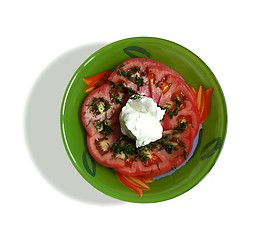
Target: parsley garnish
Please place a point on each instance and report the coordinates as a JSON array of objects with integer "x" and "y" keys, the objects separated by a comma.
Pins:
[
  {"x": 135, "y": 96},
  {"x": 182, "y": 124},
  {"x": 167, "y": 144},
  {"x": 103, "y": 127},
  {"x": 118, "y": 92},
  {"x": 141, "y": 153},
  {"x": 124, "y": 145},
  {"x": 184, "y": 154},
  {"x": 117, "y": 98},
  {"x": 99, "y": 105},
  {"x": 174, "y": 111},
  {"x": 125, "y": 74},
  {"x": 130, "y": 75}
]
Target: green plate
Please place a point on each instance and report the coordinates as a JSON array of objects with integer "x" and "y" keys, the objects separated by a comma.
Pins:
[{"x": 194, "y": 71}]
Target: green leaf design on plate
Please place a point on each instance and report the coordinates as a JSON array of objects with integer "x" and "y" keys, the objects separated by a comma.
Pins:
[
  {"x": 211, "y": 148},
  {"x": 131, "y": 51},
  {"x": 91, "y": 170}
]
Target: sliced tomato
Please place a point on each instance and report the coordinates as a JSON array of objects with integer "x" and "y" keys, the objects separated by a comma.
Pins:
[
  {"x": 182, "y": 143},
  {"x": 155, "y": 159},
  {"x": 168, "y": 155},
  {"x": 187, "y": 118},
  {"x": 100, "y": 147},
  {"x": 164, "y": 86},
  {"x": 180, "y": 102},
  {"x": 100, "y": 111},
  {"x": 138, "y": 74},
  {"x": 112, "y": 149},
  {"x": 132, "y": 76}
]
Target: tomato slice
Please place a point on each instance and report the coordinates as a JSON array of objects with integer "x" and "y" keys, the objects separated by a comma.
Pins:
[
  {"x": 182, "y": 145},
  {"x": 151, "y": 160},
  {"x": 100, "y": 147},
  {"x": 164, "y": 85},
  {"x": 100, "y": 117},
  {"x": 180, "y": 103},
  {"x": 138, "y": 74},
  {"x": 102, "y": 107}
]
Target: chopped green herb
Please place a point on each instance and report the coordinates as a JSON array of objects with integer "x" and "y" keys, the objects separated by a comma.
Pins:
[
  {"x": 182, "y": 124},
  {"x": 174, "y": 167},
  {"x": 152, "y": 146},
  {"x": 135, "y": 69},
  {"x": 118, "y": 87},
  {"x": 135, "y": 96},
  {"x": 124, "y": 145},
  {"x": 184, "y": 154},
  {"x": 103, "y": 127},
  {"x": 167, "y": 144},
  {"x": 99, "y": 105},
  {"x": 117, "y": 97},
  {"x": 119, "y": 92},
  {"x": 98, "y": 125},
  {"x": 157, "y": 84},
  {"x": 139, "y": 82},
  {"x": 133, "y": 76},
  {"x": 125, "y": 74},
  {"x": 175, "y": 107},
  {"x": 141, "y": 153},
  {"x": 106, "y": 129}
]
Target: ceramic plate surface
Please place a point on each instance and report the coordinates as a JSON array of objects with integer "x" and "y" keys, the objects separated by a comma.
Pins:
[{"x": 194, "y": 71}]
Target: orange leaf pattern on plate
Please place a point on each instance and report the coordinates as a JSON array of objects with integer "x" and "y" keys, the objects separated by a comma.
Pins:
[
  {"x": 137, "y": 184},
  {"x": 96, "y": 80},
  {"x": 203, "y": 101}
]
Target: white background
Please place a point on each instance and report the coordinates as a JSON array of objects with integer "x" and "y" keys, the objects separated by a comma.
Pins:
[{"x": 44, "y": 197}]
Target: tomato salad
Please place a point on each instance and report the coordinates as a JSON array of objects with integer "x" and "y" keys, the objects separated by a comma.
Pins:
[{"x": 100, "y": 117}]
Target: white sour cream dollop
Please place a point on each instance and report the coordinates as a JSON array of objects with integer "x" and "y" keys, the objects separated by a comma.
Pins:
[{"x": 140, "y": 120}]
